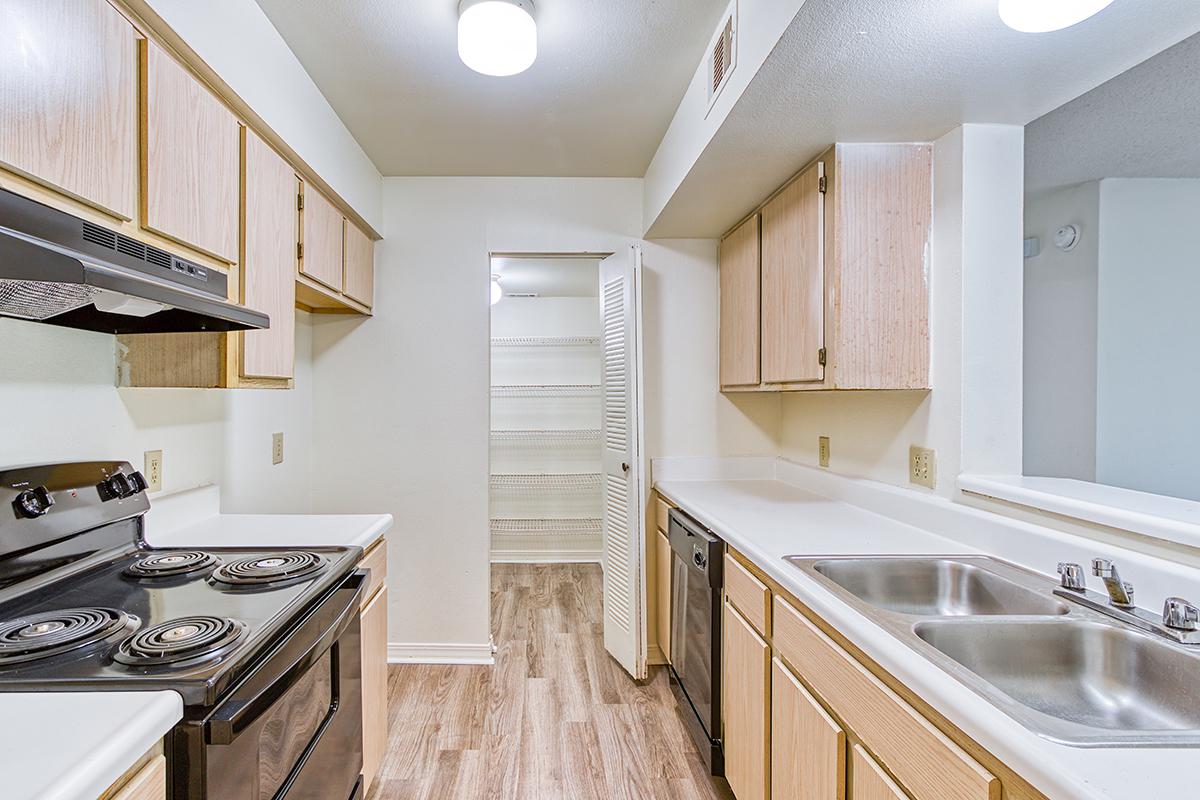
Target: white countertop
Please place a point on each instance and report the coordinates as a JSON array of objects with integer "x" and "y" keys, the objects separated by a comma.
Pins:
[
  {"x": 768, "y": 519},
  {"x": 74, "y": 745}
]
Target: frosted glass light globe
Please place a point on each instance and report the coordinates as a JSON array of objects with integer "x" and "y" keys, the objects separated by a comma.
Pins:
[
  {"x": 1043, "y": 16},
  {"x": 497, "y": 37}
]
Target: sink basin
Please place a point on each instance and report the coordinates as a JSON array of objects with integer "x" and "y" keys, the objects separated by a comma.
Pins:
[
  {"x": 935, "y": 587},
  {"x": 1117, "y": 682}
]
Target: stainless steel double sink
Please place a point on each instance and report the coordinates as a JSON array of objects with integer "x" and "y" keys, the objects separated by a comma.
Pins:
[{"x": 1064, "y": 672}]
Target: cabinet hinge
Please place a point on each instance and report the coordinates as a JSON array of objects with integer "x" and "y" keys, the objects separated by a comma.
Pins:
[
  {"x": 299, "y": 250},
  {"x": 300, "y": 202},
  {"x": 821, "y": 355},
  {"x": 822, "y": 184}
]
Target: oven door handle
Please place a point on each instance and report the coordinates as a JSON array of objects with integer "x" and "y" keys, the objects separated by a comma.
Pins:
[{"x": 239, "y": 713}]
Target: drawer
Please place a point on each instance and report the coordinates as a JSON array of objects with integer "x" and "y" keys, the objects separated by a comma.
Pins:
[
  {"x": 923, "y": 759},
  {"x": 149, "y": 783},
  {"x": 375, "y": 560},
  {"x": 748, "y": 594},
  {"x": 662, "y": 512}
]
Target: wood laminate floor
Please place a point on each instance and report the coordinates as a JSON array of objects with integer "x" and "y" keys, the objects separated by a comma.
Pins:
[{"x": 555, "y": 717}]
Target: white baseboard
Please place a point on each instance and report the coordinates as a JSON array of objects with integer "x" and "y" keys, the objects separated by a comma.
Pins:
[
  {"x": 546, "y": 557},
  {"x": 434, "y": 653}
]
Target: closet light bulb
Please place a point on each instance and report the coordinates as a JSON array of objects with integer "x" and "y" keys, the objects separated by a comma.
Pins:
[
  {"x": 497, "y": 37},
  {"x": 497, "y": 292},
  {"x": 1043, "y": 16}
]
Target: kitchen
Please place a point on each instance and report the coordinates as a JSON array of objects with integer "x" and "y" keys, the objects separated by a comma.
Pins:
[{"x": 940, "y": 399}]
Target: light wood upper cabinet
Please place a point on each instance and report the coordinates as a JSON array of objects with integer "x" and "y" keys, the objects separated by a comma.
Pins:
[
  {"x": 744, "y": 698},
  {"x": 190, "y": 159},
  {"x": 739, "y": 320},
  {"x": 808, "y": 748},
  {"x": 374, "y": 637},
  {"x": 268, "y": 261},
  {"x": 68, "y": 99},
  {"x": 322, "y": 232},
  {"x": 359, "y": 280},
  {"x": 843, "y": 277},
  {"x": 793, "y": 281}
]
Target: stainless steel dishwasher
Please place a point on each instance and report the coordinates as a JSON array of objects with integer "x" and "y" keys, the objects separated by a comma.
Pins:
[{"x": 697, "y": 577}]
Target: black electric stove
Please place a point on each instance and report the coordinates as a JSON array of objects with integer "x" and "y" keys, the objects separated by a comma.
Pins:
[{"x": 252, "y": 639}]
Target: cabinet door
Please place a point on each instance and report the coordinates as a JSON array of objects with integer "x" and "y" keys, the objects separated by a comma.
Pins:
[
  {"x": 359, "y": 280},
  {"x": 870, "y": 782},
  {"x": 150, "y": 782},
  {"x": 793, "y": 281},
  {"x": 269, "y": 260},
  {"x": 68, "y": 99},
  {"x": 190, "y": 166},
  {"x": 745, "y": 689},
  {"x": 739, "y": 306},
  {"x": 808, "y": 748},
  {"x": 374, "y": 624},
  {"x": 662, "y": 576},
  {"x": 322, "y": 233}
]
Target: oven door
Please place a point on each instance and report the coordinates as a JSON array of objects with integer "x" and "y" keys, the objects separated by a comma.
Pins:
[{"x": 293, "y": 729}]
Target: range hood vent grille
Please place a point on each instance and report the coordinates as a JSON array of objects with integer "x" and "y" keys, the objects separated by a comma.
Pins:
[
  {"x": 37, "y": 300},
  {"x": 101, "y": 236}
]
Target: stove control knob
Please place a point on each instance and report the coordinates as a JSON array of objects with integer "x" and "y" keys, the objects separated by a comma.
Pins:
[
  {"x": 137, "y": 483},
  {"x": 33, "y": 503},
  {"x": 114, "y": 487}
]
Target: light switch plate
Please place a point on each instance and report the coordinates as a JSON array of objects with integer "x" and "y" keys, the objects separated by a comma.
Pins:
[
  {"x": 922, "y": 467},
  {"x": 152, "y": 468},
  {"x": 277, "y": 448},
  {"x": 823, "y": 451}
]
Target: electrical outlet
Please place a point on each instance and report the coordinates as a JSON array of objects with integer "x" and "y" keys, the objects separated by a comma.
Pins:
[
  {"x": 152, "y": 469},
  {"x": 277, "y": 448},
  {"x": 922, "y": 467},
  {"x": 823, "y": 451}
]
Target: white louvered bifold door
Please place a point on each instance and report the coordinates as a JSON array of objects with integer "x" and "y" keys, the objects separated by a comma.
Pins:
[{"x": 624, "y": 566}]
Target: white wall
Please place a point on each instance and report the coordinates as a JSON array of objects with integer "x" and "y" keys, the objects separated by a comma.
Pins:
[
  {"x": 238, "y": 41},
  {"x": 60, "y": 403},
  {"x": 760, "y": 24},
  {"x": 1149, "y": 334},
  {"x": 1060, "y": 335}
]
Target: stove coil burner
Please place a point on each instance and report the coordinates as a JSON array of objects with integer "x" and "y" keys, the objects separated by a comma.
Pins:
[
  {"x": 181, "y": 640},
  {"x": 54, "y": 632},
  {"x": 277, "y": 569},
  {"x": 166, "y": 565}
]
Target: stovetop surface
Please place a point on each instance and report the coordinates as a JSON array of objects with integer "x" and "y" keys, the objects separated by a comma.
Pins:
[{"x": 264, "y": 611}]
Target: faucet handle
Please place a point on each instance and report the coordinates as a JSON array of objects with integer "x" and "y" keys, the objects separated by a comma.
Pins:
[
  {"x": 1072, "y": 576},
  {"x": 1180, "y": 614},
  {"x": 1103, "y": 568}
]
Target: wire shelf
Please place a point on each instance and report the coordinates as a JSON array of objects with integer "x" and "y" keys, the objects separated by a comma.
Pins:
[
  {"x": 546, "y": 390},
  {"x": 526, "y": 481},
  {"x": 583, "y": 435},
  {"x": 590, "y": 526},
  {"x": 545, "y": 341}
]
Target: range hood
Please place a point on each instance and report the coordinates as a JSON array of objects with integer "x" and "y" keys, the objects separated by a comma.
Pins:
[{"x": 62, "y": 270}]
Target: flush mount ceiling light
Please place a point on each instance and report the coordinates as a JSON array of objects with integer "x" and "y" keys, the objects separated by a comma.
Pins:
[
  {"x": 497, "y": 292},
  {"x": 1043, "y": 16},
  {"x": 497, "y": 37}
]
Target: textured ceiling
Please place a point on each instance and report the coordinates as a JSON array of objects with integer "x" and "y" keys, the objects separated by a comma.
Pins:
[
  {"x": 1144, "y": 123},
  {"x": 608, "y": 78},
  {"x": 882, "y": 70}
]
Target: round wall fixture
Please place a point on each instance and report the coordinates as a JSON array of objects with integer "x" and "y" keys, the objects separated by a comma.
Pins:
[
  {"x": 1066, "y": 237},
  {"x": 497, "y": 37},
  {"x": 497, "y": 292},
  {"x": 1043, "y": 16}
]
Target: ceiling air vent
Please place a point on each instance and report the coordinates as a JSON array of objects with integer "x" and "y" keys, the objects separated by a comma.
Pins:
[{"x": 722, "y": 55}]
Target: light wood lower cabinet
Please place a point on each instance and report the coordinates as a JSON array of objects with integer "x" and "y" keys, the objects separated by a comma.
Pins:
[
  {"x": 374, "y": 639},
  {"x": 745, "y": 690},
  {"x": 808, "y": 747},
  {"x": 662, "y": 576},
  {"x": 870, "y": 782},
  {"x": 148, "y": 783}
]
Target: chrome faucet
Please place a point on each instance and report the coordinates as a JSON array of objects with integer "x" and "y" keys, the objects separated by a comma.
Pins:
[
  {"x": 1120, "y": 593},
  {"x": 1180, "y": 615},
  {"x": 1072, "y": 577}
]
